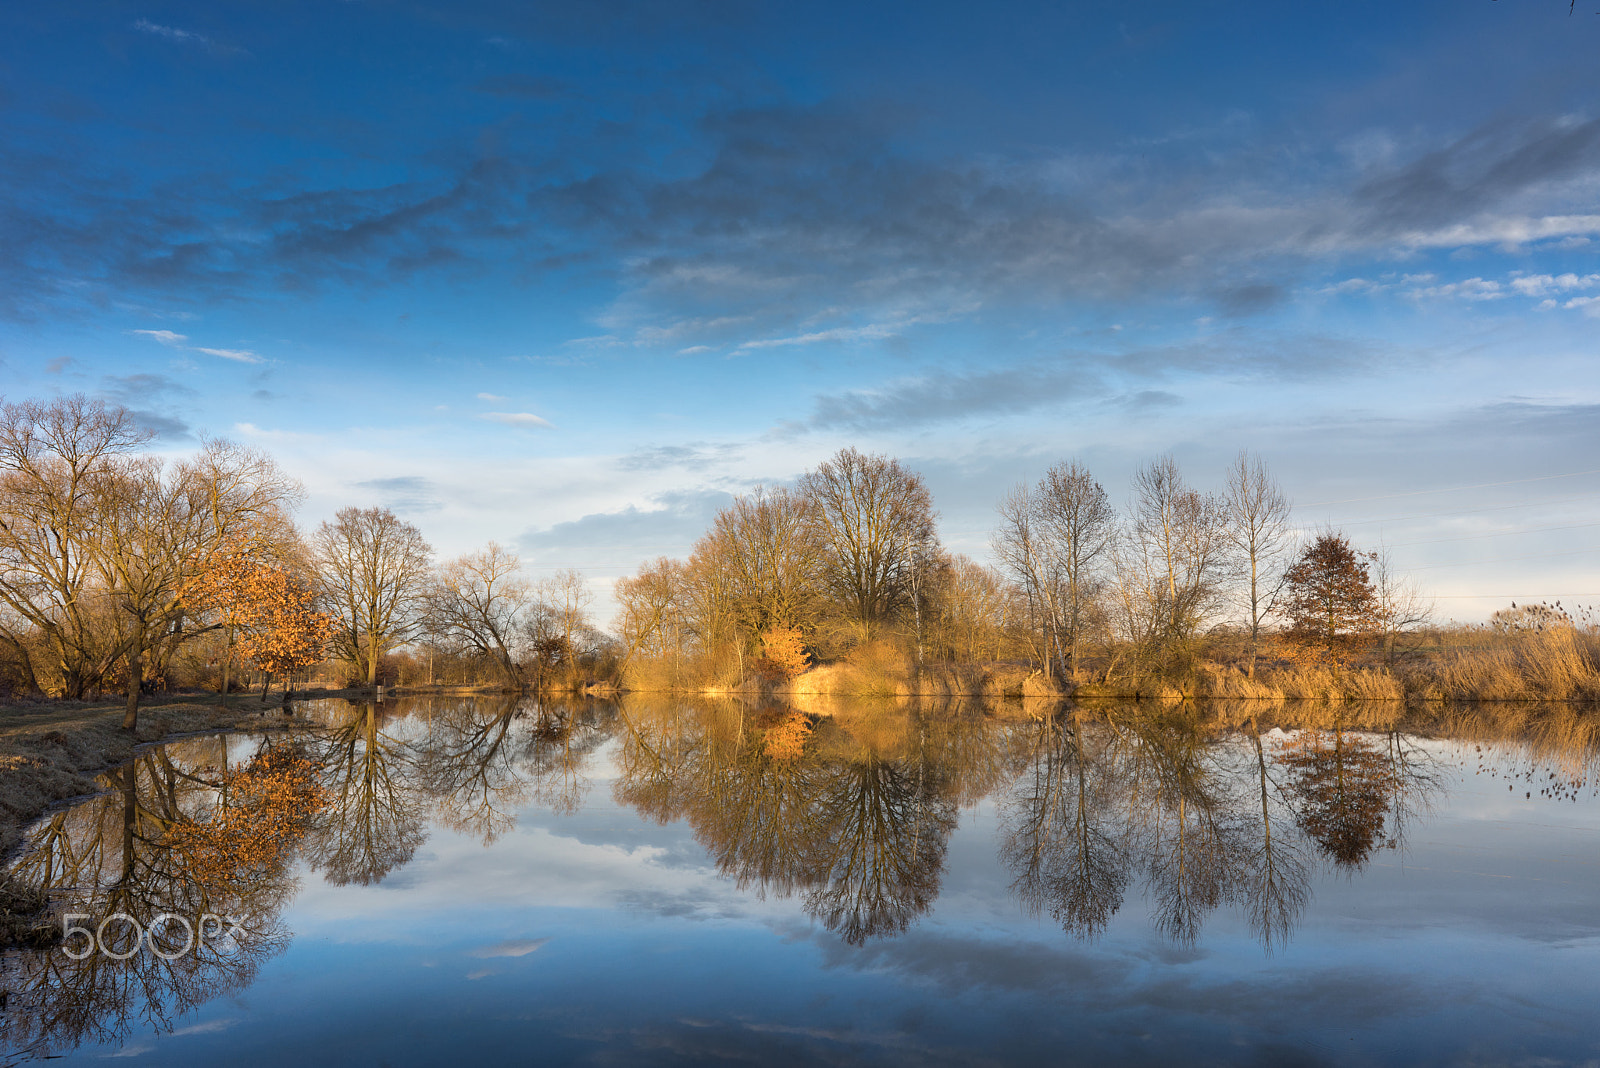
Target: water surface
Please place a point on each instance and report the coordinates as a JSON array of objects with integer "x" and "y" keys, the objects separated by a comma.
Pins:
[{"x": 665, "y": 881}]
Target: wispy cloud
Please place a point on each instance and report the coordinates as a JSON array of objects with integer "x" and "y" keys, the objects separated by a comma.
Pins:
[
  {"x": 166, "y": 337},
  {"x": 875, "y": 332},
  {"x": 238, "y": 355},
  {"x": 490, "y": 397},
  {"x": 527, "y": 419},
  {"x": 176, "y": 341},
  {"x": 188, "y": 37},
  {"x": 1472, "y": 289},
  {"x": 515, "y": 947}
]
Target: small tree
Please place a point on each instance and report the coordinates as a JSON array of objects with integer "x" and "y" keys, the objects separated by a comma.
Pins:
[
  {"x": 1329, "y": 598},
  {"x": 285, "y": 633},
  {"x": 783, "y": 652}
]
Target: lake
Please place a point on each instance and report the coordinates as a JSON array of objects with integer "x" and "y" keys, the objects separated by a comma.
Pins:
[{"x": 665, "y": 880}]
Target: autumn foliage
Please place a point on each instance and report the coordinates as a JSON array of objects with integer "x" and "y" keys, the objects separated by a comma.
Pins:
[
  {"x": 787, "y": 740},
  {"x": 272, "y": 612},
  {"x": 1330, "y": 601},
  {"x": 266, "y": 808},
  {"x": 783, "y": 652}
]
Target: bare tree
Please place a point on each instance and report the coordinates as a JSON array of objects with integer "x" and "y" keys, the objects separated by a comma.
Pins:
[
  {"x": 557, "y": 619},
  {"x": 1018, "y": 545},
  {"x": 50, "y": 453},
  {"x": 373, "y": 570},
  {"x": 160, "y": 527},
  {"x": 1401, "y": 607},
  {"x": 768, "y": 546},
  {"x": 1259, "y": 528},
  {"x": 875, "y": 517},
  {"x": 1179, "y": 552},
  {"x": 1079, "y": 525},
  {"x": 478, "y": 601},
  {"x": 651, "y": 619}
]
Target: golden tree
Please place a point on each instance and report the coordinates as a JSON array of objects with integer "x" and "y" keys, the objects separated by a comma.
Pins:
[
  {"x": 783, "y": 652},
  {"x": 286, "y": 634}
]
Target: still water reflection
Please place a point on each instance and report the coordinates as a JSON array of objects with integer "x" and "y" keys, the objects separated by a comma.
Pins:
[{"x": 667, "y": 880}]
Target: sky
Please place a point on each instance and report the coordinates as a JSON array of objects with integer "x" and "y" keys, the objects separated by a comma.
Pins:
[{"x": 568, "y": 276}]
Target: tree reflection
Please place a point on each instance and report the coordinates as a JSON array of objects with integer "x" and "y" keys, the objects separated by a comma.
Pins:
[
  {"x": 1277, "y": 882},
  {"x": 850, "y": 813},
  {"x": 1065, "y": 852},
  {"x": 1342, "y": 786},
  {"x": 139, "y": 850},
  {"x": 1194, "y": 850},
  {"x": 882, "y": 828},
  {"x": 374, "y": 819}
]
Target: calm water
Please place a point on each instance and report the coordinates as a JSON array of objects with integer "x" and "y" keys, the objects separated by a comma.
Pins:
[{"x": 671, "y": 882}]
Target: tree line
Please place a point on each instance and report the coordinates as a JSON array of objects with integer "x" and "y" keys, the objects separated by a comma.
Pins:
[
  {"x": 124, "y": 571},
  {"x": 849, "y": 558}
]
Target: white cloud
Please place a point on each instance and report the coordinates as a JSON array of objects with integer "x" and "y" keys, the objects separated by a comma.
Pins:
[
  {"x": 842, "y": 333},
  {"x": 1542, "y": 285},
  {"x": 516, "y": 947},
  {"x": 166, "y": 337},
  {"x": 172, "y": 33},
  {"x": 240, "y": 355},
  {"x": 1471, "y": 289},
  {"x": 1510, "y": 230},
  {"x": 188, "y": 37},
  {"x": 1352, "y": 285},
  {"x": 516, "y": 419},
  {"x": 490, "y": 397}
]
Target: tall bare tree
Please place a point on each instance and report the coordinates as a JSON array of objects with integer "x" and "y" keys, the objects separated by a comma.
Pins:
[
  {"x": 767, "y": 545},
  {"x": 1018, "y": 545},
  {"x": 1177, "y": 557},
  {"x": 876, "y": 519},
  {"x": 373, "y": 570},
  {"x": 1259, "y": 528},
  {"x": 1079, "y": 525},
  {"x": 479, "y": 600},
  {"x": 159, "y": 529}
]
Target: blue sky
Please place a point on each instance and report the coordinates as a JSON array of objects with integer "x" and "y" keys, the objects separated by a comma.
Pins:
[{"x": 566, "y": 276}]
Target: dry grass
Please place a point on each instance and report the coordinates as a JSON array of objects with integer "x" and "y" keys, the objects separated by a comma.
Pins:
[{"x": 1559, "y": 664}]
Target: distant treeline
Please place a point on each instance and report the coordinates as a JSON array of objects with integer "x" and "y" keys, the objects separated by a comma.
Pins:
[{"x": 122, "y": 571}]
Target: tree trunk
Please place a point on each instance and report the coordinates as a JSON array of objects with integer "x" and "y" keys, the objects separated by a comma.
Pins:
[
  {"x": 372, "y": 658},
  {"x": 130, "y": 719},
  {"x": 227, "y": 662}
]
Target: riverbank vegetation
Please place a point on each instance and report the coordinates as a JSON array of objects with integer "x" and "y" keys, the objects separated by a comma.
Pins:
[{"x": 124, "y": 572}]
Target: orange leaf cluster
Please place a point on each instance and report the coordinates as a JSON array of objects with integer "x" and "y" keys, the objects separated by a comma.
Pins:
[
  {"x": 787, "y": 740},
  {"x": 268, "y": 808},
  {"x": 783, "y": 653},
  {"x": 281, "y": 631}
]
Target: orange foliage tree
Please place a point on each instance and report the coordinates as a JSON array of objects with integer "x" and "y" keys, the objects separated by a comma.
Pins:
[
  {"x": 1329, "y": 600},
  {"x": 783, "y": 652},
  {"x": 272, "y": 614}
]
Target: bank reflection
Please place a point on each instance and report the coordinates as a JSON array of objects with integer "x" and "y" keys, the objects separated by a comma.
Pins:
[
  {"x": 197, "y": 853},
  {"x": 848, "y": 810}
]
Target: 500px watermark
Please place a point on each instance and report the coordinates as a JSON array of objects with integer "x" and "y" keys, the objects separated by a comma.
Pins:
[{"x": 210, "y": 926}]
